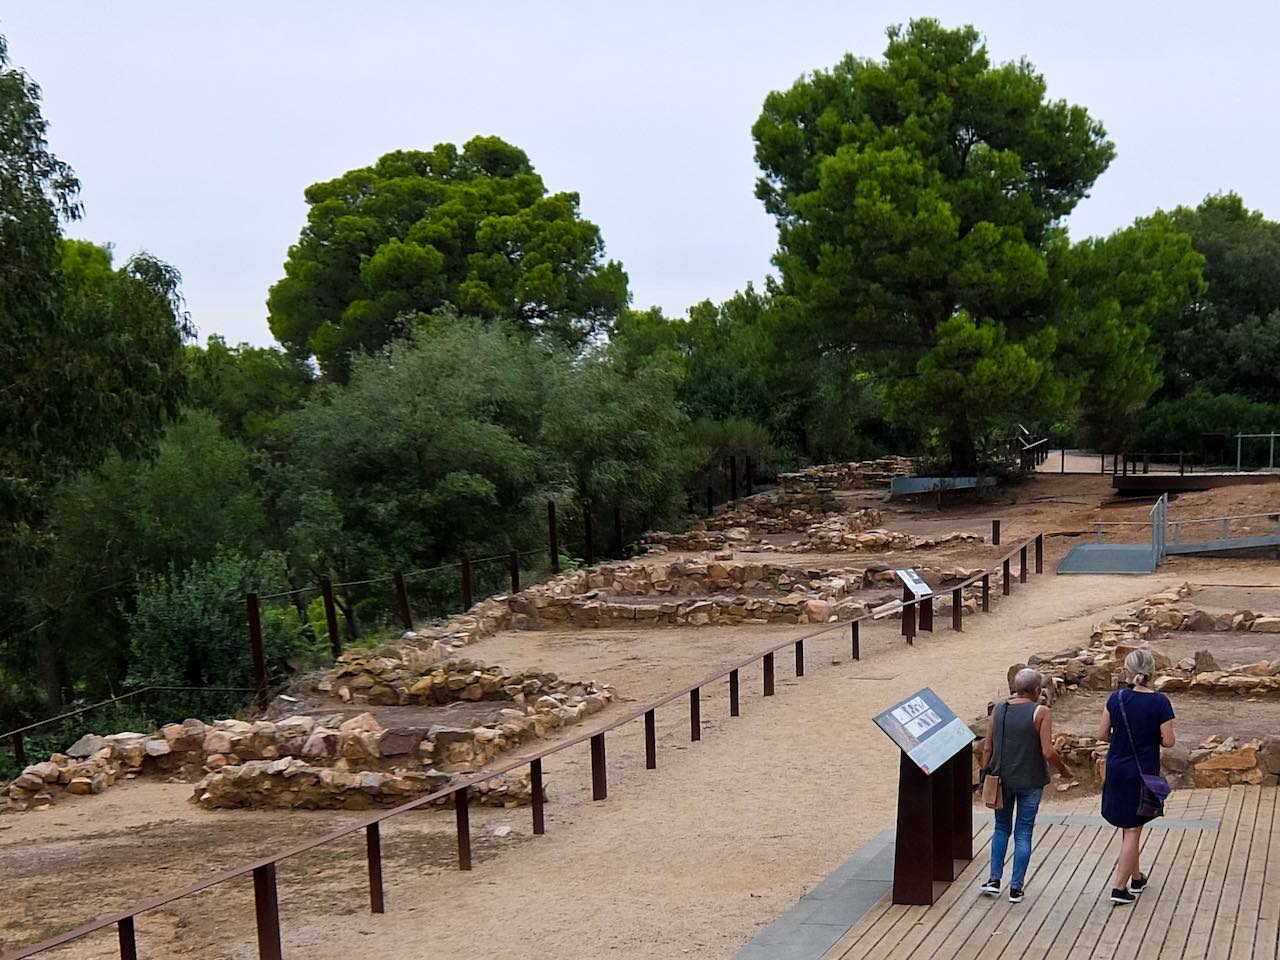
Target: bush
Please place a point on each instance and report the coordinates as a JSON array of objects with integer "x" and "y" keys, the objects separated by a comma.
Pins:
[
  {"x": 1205, "y": 425},
  {"x": 188, "y": 627}
]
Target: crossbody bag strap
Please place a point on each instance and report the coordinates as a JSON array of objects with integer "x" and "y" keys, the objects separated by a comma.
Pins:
[{"x": 1129, "y": 730}]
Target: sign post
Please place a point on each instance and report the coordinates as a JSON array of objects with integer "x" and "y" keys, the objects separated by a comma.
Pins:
[
  {"x": 935, "y": 804},
  {"x": 921, "y": 612}
]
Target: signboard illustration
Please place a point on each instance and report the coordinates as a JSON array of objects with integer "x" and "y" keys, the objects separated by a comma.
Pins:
[
  {"x": 914, "y": 582},
  {"x": 925, "y": 729}
]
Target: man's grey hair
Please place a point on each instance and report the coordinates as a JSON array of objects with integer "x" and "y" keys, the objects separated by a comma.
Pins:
[{"x": 1027, "y": 680}]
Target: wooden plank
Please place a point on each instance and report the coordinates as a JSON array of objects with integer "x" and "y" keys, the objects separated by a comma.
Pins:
[
  {"x": 1206, "y": 912},
  {"x": 1118, "y": 919},
  {"x": 919, "y": 920},
  {"x": 1246, "y": 926},
  {"x": 1076, "y": 863},
  {"x": 1048, "y": 879},
  {"x": 1086, "y": 903},
  {"x": 870, "y": 928},
  {"x": 1178, "y": 927},
  {"x": 1230, "y": 906},
  {"x": 1267, "y": 937},
  {"x": 982, "y": 921},
  {"x": 1163, "y": 886},
  {"x": 1051, "y": 929}
]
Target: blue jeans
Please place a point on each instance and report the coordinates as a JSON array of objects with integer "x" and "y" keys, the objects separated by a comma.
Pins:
[{"x": 1028, "y": 804}]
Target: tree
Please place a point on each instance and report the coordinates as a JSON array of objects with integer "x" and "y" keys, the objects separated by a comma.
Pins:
[
  {"x": 917, "y": 191},
  {"x": 247, "y": 388},
  {"x": 386, "y": 244},
  {"x": 1228, "y": 339},
  {"x": 1117, "y": 290}
]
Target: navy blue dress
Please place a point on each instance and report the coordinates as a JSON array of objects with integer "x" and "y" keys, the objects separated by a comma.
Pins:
[{"x": 1122, "y": 789}]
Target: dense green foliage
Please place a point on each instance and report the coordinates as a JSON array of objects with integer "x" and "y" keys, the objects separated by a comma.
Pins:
[
  {"x": 456, "y": 351},
  {"x": 476, "y": 228}
]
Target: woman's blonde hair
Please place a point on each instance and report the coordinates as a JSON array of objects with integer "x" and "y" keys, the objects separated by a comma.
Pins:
[{"x": 1140, "y": 665}]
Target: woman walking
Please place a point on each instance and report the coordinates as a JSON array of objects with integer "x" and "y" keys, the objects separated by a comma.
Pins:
[
  {"x": 1018, "y": 749},
  {"x": 1136, "y": 721}
]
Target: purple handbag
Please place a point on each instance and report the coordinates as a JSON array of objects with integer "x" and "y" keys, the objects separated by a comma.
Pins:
[{"x": 1155, "y": 789}]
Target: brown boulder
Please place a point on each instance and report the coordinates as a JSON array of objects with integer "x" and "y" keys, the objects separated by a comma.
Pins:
[{"x": 398, "y": 741}]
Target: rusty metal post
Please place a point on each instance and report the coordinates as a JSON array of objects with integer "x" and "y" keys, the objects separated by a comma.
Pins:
[
  {"x": 462, "y": 816},
  {"x": 799, "y": 658},
  {"x": 589, "y": 532},
  {"x": 128, "y": 942},
  {"x": 19, "y": 750},
  {"x": 995, "y": 533},
  {"x": 909, "y": 624},
  {"x": 695, "y": 714},
  {"x": 986, "y": 593},
  {"x": 750, "y": 480},
  {"x": 733, "y": 478},
  {"x": 513, "y": 561},
  {"x": 710, "y": 501},
  {"x": 253, "y": 610},
  {"x": 373, "y": 849},
  {"x": 1006, "y": 586},
  {"x": 1039, "y": 553},
  {"x": 402, "y": 598},
  {"x": 957, "y": 609},
  {"x": 926, "y": 613},
  {"x": 619, "y": 545},
  {"x": 1022, "y": 565},
  {"x": 599, "y": 778},
  {"x": 733, "y": 694},
  {"x": 906, "y": 597},
  {"x": 1063, "y": 468},
  {"x": 539, "y": 799},
  {"x": 553, "y": 537},
  {"x": 768, "y": 674},
  {"x": 854, "y": 641},
  {"x": 468, "y": 598},
  {"x": 267, "y": 908},
  {"x": 650, "y": 740},
  {"x": 1102, "y": 462},
  {"x": 331, "y": 617}
]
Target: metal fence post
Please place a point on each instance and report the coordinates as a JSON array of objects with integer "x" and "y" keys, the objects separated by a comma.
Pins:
[
  {"x": 331, "y": 617},
  {"x": 1022, "y": 565},
  {"x": 128, "y": 942},
  {"x": 995, "y": 533},
  {"x": 768, "y": 674},
  {"x": 695, "y": 715},
  {"x": 1063, "y": 468},
  {"x": 553, "y": 537},
  {"x": 467, "y": 593},
  {"x": 513, "y": 561},
  {"x": 402, "y": 598},
  {"x": 462, "y": 816},
  {"x": 1039, "y": 553},
  {"x": 854, "y": 643},
  {"x": 267, "y": 908},
  {"x": 986, "y": 593},
  {"x": 588, "y": 530},
  {"x": 254, "y": 612},
  {"x": 799, "y": 658},
  {"x": 373, "y": 849},
  {"x": 535, "y": 784},
  {"x": 650, "y": 740},
  {"x": 1006, "y": 586},
  {"x": 19, "y": 750},
  {"x": 957, "y": 609},
  {"x": 599, "y": 776},
  {"x": 733, "y": 694}
]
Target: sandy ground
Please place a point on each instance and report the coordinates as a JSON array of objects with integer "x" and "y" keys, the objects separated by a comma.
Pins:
[{"x": 690, "y": 860}]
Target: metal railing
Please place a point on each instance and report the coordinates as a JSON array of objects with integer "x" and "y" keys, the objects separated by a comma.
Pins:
[{"x": 263, "y": 871}]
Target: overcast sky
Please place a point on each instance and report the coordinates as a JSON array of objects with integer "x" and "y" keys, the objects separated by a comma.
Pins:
[{"x": 195, "y": 127}]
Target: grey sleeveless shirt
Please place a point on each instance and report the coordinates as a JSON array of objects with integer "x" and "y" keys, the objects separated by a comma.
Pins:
[{"x": 1017, "y": 756}]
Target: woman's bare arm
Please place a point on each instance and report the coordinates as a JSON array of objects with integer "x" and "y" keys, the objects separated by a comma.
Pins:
[
  {"x": 1044, "y": 720},
  {"x": 1104, "y": 726},
  {"x": 1167, "y": 739}
]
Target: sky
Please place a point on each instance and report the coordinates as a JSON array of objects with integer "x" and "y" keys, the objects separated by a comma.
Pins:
[{"x": 194, "y": 128}]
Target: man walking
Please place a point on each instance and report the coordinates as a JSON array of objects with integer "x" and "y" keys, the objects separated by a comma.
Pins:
[{"x": 1018, "y": 749}]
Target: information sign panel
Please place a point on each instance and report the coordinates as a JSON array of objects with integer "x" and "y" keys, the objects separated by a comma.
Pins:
[
  {"x": 925, "y": 729},
  {"x": 915, "y": 583}
]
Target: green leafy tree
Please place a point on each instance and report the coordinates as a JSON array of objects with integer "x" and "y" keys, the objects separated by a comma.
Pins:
[
  {"x": 1228, "y": 339},
  {"x": 247, "y": 388},
  {"x": 474, "y": 228},
  {"x": 916, "y": 190},
  {"x": 1117, "y": 290}
]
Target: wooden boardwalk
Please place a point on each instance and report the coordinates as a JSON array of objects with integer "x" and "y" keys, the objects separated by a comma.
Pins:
[{"x": 1214, "y": 892}]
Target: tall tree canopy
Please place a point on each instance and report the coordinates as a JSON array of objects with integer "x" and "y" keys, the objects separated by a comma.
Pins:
[
  {"x": 918, "y": 200},
  {"x": 474, "y": 228}
]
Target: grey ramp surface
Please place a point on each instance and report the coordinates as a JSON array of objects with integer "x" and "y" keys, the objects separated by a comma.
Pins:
[
  {"x": 825, "y": 914},
  {"x": 1108, "y": 558}
]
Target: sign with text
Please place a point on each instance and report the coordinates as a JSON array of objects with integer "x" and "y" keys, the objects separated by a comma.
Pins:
[
  {"x": 914, "y": 582},
  {"x": 925, "y": 729}
]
